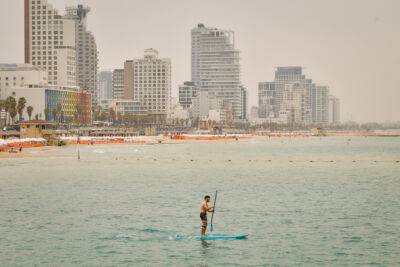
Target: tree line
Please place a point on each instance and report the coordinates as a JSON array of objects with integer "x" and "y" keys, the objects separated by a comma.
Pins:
[{"x": 14, "y": 107}]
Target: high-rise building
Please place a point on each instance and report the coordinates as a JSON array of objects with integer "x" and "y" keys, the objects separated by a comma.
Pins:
[
  {"x": 266, "y": 100},
  {"x": 334, "y": 110},
  {"x": 215, "y": 66},
  {"x": 148, "y": 80},
  {"x": 187, "y": 92},
  {"x": 50, "y": 42},
  {"x": 295, "y": 103},
  {"x": 244, "y": 100},
  {"x": 118, "y": 84},
  {"x": 61, "y": 45},
  {"x": 320, "y": 104},
  {"x": 283, "y": 76},
  {"x": 105, "y": 85},
  {"x": 86, "y": 51}
]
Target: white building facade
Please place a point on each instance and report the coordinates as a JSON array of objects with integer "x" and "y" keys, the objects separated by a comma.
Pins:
[{"x": 215, "y": 65}]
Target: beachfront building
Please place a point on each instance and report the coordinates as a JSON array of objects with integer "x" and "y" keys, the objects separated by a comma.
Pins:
[
  {"x": 334, "y": 110},
  {"x": 295, "y": 104},
  {"x": 105, "y": 85},
  {"x": 67, "y": 104},
  {"x": 320, "y": 105},
  {"x": 148, "y": 81},
  {"x": 61, "y": 45},
  {"x": 86, "y": 51},
  {"x": 266, "y": 100},
  {"x": 187, "y": 92},
  {"x": 50, "y": 42},
  {"x": 118, "y": 84},
  {"x": 215, "y": 66},
  {"x": 123, "y": 106},
  {"x": 280, "y": 98}
]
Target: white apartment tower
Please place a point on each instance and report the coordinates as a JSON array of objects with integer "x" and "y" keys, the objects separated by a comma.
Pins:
[
  {"x": 148, "y": 80},
  {"x": 60, "y": 44},
  {"x": 50, "y": 42},
  {"x": 215, "y": 66},
  {"x": 320, "y": 106},
  {"x": 86, "y": 51}
]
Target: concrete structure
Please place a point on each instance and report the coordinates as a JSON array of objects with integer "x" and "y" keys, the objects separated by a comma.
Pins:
[
  {"x": 148, "y": 80},
  {"x": 86, "y": 51},
  {"x": 118, "y": 84},
  {"x": 30, "y": 82},
  {"x": 244, "y": 100},
  {"x": 20, "y": 75},
  {"x": 61, "y": 45},
  {"x": 334, "y": 110},
  {"x": 177, "y": 112},
  {"x": 320, "y": 105},
  {"x": 50, "y": 42},
  {"x": 266, "y": 100},
  {"x": 187, "y": 92},
  {"x": 295, "y": 103},
  {"x": 105, "y": 85},
  {"x": 123, "y": 106},
  {"x": 215, "y": 66}
]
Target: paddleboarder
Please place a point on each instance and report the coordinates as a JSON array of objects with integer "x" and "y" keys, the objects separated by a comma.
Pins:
[{"x": 203, "y": 214}]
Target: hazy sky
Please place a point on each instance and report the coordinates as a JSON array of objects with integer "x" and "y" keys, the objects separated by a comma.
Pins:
[{"x": 353, "y": 46}]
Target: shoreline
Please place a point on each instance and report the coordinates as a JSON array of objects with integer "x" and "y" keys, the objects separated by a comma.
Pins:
[{"x": 40, "y": 152}]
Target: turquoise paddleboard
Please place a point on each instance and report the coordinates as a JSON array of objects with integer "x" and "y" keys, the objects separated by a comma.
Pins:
[{"x": 213, "y": 237}]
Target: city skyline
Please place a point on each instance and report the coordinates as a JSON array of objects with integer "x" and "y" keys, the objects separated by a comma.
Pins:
[{"x": 351, "y": 60}]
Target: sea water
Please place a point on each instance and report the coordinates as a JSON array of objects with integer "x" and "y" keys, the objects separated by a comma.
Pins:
[{"x": 303, "y": 201}]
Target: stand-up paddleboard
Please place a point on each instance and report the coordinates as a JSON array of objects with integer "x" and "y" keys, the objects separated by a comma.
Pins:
[{"x": 214, "y": 237}]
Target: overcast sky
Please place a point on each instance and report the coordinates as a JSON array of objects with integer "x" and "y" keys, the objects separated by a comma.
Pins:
[{"x": 353, "y": 46}]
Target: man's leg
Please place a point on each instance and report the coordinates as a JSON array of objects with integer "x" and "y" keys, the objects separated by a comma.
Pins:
[{"x": 203, "y": 228}]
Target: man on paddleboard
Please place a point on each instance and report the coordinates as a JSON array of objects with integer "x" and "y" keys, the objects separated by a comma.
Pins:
[{"x": 203, "y": 214}]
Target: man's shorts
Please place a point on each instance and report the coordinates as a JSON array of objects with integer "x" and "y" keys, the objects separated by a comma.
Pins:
[{"x": 203, "y": 216}]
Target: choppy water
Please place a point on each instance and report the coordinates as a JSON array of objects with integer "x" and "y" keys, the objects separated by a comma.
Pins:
[{"x": 311, "y": 202}]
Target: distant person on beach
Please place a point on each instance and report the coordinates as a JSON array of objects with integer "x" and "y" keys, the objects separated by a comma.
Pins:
[{"x": 203, "y": 214}]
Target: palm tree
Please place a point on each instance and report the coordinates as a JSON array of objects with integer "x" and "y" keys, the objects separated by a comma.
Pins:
[
  {"x": 21, "y": 106},
  {"x": 10, "y": 105},
  {"x": 29, "y": 110},
  {"x": 13, "y": 113}
]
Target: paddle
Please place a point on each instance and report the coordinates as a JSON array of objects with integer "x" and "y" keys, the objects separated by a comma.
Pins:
[{"x": 212, "y": 215}]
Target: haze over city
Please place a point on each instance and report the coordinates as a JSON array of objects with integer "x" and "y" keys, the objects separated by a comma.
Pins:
[{"x": 351, "y": 46}]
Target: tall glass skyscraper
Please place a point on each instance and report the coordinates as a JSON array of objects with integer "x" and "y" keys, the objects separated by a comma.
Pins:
[{"x": 216, "y": 68}]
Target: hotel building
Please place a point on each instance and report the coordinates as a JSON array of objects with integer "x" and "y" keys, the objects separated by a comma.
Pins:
[
  {"x": 148, "y": 80},
  {"x": 60, "y": 45},
  {"x": 215, "y": 66}
]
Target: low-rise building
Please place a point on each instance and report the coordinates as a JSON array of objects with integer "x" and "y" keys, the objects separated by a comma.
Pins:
[
  {"x": 124, "y": 106},
  {"x": 187, "y": 92},
  {"x": 64, "y": 104}
]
